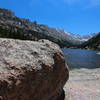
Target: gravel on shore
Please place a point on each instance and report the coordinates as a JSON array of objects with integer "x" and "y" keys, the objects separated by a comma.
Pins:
[{"x": 83, "y": 84}]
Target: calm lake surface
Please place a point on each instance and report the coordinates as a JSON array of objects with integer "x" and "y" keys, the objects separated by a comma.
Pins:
[{"x": 77, "y": 58}]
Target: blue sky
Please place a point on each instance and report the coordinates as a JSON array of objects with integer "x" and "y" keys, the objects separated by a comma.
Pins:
[{"x": 75, "y": 16}]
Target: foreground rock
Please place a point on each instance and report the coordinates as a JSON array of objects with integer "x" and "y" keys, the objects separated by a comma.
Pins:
[{"x": 31, "y": 70}]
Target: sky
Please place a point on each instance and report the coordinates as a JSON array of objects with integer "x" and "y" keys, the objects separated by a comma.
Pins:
[{"x": 75, "y": 16}]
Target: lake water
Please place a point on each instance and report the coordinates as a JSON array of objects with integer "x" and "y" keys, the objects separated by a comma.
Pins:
[{"x": 78, "y": 58}]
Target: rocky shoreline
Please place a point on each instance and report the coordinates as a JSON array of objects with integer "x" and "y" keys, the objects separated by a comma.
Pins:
[
  {"x": 83, "y": 84},
  {"x": 33, "y": 70}
]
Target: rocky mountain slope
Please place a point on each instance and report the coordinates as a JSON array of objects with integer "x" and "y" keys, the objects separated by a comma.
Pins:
[
  {"x": 93, "y": 43},
  {"x": 31, "y": 70},
  {"x": 19, "y": 28}
]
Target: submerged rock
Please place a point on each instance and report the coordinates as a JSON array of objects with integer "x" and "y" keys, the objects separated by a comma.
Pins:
[
  {"x": 31, "y": 70},
  {"x": 98, "y": 53}
]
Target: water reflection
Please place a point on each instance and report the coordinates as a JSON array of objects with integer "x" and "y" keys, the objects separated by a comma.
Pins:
[{"x": 77, "y": 58}]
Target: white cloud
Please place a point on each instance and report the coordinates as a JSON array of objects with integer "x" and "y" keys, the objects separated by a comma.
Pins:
[
  {"x": 85, "y": 3},
  {"x": 54, "y": 1},
  {"x": 34, "y": 3},
  {"x": 90, "y": 3},
  {"x": 72, "y": 1},
  {"x": 93, "y": 3}
]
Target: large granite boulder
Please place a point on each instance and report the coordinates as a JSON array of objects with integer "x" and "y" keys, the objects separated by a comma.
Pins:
[{"x": 31, "y": 70}]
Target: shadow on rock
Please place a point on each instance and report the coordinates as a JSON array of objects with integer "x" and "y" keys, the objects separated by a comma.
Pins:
[{"x": 62, "y": 97}]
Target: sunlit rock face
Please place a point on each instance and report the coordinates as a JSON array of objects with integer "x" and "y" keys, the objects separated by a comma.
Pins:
[{"x": 31, "y": 70}]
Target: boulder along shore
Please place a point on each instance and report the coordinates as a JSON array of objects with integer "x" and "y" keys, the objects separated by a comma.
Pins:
[{"x": 31, "y": 70}]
